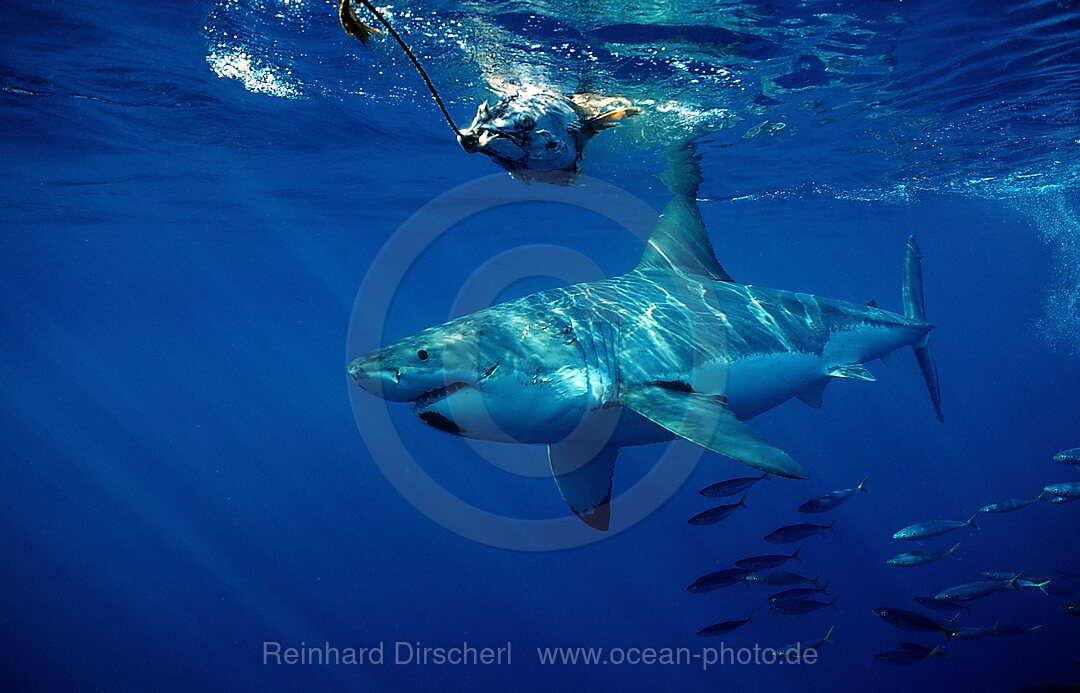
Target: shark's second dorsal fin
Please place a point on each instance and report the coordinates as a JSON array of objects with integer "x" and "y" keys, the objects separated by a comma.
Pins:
[{"x": 679, "y": 242}]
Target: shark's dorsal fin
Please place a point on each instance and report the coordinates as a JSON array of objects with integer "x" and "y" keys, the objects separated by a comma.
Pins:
[
  {"x": 583, "y": 471},
  {"x": 679, "y": 242}
]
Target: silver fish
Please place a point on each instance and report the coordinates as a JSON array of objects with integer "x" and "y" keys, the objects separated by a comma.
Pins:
[
  {"x": 730, "y": 487},
  {"x": 913, "y": 558},
  {"x": 779, "y": 578},
  {"x": 785, "y": 652},
  {"x": 804, "y": 606},
  {"x": 1061, "y": 591},
  {"x": 910, "y": 655},
  {"x": 974, "y": 633},
  {"x": 976, "y": 590},
  {"x": 793, "y": 533},
  {"x": 714, "y": 515},
  {"x": 1019, "y": 581},
  {"x": 1013, "y": 629},
  {"x": 1068, "y": 489},
  {"x": 1068, "y": 456},
  {"x": 797, "y": 593},
  {"x": 725, "y": 627},
  {"x": 1007, "y": 506},
  {"x": 941, "y": 604},
  {"x": 911, "y": 620},
  {"x": 933, "y": 528},
  {"x": 718, "y": 580},
  {"x": 832, "y": 499},
  {"x": 766, "y": 562},
  {"x": 1070, "y": 577}
]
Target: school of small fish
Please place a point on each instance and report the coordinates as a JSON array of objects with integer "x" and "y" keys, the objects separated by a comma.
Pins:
[
  {"x": 958, "y": 598},
  {"x": 803, "y": 594},
  {"x": 808, "y": 594}
]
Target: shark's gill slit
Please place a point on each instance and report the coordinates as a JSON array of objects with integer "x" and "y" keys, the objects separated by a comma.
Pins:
[{"x": 361, "y": 31}]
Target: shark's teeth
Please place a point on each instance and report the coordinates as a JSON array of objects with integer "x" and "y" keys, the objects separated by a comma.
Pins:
[{"x": 429, "y": 398}]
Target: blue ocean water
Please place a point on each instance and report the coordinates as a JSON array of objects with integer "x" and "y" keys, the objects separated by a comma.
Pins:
[{"x": 194, "y": 193}]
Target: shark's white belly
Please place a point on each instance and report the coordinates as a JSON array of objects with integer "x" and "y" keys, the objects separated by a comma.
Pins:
[
  {"x": 751, "y": 385},
  {"x": 760, "y": 382}
]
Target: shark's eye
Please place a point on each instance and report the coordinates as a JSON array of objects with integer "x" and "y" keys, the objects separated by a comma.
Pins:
[
  {"x": 526, "y": 120},
  {"x": 422, "y": 355}
]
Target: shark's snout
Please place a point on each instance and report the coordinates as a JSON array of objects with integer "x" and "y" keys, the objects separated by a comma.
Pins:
[
  {"x": 392, "y": 380},
  {"x": 379, "y": 380}
]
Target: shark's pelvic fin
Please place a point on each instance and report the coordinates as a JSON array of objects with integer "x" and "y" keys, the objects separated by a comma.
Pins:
[
  {"x": 812, "y": 395},
  {"x": 583, "y": 473},
  {"x": 679, "y": 242},
  {"x": 854, "y": 370},
  {"x": 705, "y": 420},
  {"x": 915, "y": 309}
]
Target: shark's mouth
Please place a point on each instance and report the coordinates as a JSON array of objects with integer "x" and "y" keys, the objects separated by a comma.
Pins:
[
  {"x": 434, "y": 418},
  {"x": 437, "y": 395}
]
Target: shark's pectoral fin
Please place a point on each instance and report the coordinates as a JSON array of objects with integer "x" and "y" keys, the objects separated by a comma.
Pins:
[
  {"x": 705, "y": 420},
  {"x": 812, "y": 394},
  {"x": 854, "y": 370},
  {"x": 583, "y": 472}
]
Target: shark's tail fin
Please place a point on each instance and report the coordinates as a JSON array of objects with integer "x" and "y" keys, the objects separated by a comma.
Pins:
[{"x": 915, "y": 309}]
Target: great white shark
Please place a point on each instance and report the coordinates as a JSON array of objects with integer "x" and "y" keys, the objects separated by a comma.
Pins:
[{"x": 674, "y": 347}]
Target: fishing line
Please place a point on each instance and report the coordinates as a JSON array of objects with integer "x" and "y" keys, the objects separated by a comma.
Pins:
[{"x": 415, "y": 62}]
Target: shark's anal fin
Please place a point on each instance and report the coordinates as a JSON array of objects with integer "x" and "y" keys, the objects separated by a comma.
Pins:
[
  {"x": 705, "y": 420},
  {"x": 854, "y": 370},
  {"x": 583, "y": 471}
]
